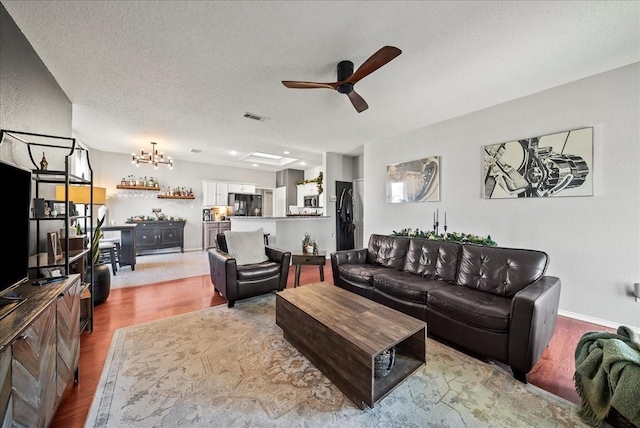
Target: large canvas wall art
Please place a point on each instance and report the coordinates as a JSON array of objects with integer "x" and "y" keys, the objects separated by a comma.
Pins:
[
  {"x": 540, "y": 167},
  {"x": 414, "y": 181}
]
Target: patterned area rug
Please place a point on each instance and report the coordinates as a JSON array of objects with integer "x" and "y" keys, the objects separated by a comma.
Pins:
[{"x": 232, "y": 368}]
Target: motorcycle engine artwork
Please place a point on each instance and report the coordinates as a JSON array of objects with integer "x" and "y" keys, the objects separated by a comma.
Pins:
[{"x": 540, "y": 167}]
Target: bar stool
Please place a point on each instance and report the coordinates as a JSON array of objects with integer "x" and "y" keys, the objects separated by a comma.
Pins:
[
  {"x": 107, "y": 250},
  {"x": 116, "y": 242}
]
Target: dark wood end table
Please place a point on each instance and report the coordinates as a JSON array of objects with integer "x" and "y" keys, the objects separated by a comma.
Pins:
[{"x": 299, "y": 259}]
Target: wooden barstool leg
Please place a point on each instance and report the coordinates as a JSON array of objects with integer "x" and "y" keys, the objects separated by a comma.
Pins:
[{"x": 112, "y": 254}]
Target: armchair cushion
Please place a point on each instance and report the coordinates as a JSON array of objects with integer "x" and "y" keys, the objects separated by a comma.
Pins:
[
  {"x": 246, "y": 247},
  {"x": 258, "y": 271}
]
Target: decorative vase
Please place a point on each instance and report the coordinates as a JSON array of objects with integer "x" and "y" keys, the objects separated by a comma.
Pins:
[
  {"x": 384, "y": 362},
  {"x": 101, "y": 283}
]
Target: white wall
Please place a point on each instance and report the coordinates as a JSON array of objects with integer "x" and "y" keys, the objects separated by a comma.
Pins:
[
  {"x": 337, "y": 168},
  {"x": 30, "y": 101},
  {"x": 593, "y": 242},
  {"x": 109, "y": 168},
  {"x": 358, "y": 167}
]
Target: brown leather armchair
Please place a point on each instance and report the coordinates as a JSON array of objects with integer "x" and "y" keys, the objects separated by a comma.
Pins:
[{"x": 236, "y": 282}]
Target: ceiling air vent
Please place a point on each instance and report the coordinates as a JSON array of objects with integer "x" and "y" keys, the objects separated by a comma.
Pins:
[
  {"x": 195, "y": 151},
  {"x": 256, "y": 117}
]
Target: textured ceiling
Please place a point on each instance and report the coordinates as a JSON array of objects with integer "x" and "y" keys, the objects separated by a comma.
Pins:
[{"x": 183, "y": 73}]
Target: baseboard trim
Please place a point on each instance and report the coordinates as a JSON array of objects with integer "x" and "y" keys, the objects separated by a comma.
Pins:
[{"x": 593, "y": 320}]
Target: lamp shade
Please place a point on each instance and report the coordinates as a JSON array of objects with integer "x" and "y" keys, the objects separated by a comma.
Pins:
[{"x": 82, "y": 194}]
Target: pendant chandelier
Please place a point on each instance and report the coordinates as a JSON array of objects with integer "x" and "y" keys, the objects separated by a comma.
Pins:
[{"x": 152, "y": 157}]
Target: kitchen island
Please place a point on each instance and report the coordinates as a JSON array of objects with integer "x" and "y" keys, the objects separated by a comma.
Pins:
[{"x": 287, "y": 233}]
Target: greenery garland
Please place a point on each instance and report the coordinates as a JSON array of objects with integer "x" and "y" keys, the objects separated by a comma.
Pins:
[
  {"x": 447, "y": 236},
  {"x": 317, "y": 180}
]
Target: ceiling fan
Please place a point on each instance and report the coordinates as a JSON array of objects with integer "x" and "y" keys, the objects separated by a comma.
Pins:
[{"x": 347, "y": 78}]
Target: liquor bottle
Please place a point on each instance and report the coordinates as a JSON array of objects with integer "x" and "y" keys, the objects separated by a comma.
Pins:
[{"x": 43, "y": 163}]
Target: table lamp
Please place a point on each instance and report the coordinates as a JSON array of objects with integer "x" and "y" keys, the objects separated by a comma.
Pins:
[{"x": 82, "y": 194}]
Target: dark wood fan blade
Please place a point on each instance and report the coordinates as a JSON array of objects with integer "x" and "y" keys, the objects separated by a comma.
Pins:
[
  {"x": 308, "y": 85},
  {"x": 358, "y": 102},
  {"x": 375, "y": 61}
]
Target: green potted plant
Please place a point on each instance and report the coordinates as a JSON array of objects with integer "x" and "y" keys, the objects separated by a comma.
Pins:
[
  {"x": 101, "y": 275},
  {"x": 95, "y": 242}
]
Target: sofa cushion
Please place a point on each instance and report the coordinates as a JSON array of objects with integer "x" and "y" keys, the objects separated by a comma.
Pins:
[
  {"x": 360, "y": 273},
  {"x": 499, "y": 271},
  {"x": 477, "y": 308},
  {"x": 388, "y": 251},
  {"x": 246, "y": 247},
  {"x": 432, "y": 259},
  {"x": 405, "y": 286}
]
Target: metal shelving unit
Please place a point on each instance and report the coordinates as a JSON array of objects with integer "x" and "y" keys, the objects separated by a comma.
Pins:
[{"x": 69, "y": 148}]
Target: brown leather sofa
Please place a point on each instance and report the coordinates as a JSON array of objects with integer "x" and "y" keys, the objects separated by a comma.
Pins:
[
  {"x": 236, "y": 282},
  {"x": 496, "y": 302}
]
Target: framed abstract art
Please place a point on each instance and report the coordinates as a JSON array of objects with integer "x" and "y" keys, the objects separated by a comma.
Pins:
[
  {"x": 414, "y": 181},
  {"x": 540, "y": 167}
]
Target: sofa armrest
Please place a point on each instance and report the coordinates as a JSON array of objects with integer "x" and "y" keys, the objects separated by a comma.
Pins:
[
  {"x": 347, "y": 257},
  {"x": 534, "y": 311},
  {"x": 284, "y": 258},
  {"x": 224, "y": 273}
]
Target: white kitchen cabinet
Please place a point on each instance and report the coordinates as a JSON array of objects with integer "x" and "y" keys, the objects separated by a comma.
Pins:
[
  {"x": 222, "y": 194},
  {"x": 300, "y": 195},
  {"x": 249, "y": 189},
  {"x": 208, "y": 192},
  {"x": 215, "y": 193},
  {"x": 307, "y": 189},
  {"x": 311, "y": 189}
]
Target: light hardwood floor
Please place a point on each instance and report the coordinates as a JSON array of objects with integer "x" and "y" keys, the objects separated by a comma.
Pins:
[{"x": 138, "y": 304}]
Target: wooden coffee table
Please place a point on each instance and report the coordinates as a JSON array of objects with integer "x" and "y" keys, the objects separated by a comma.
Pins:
[{"x": 341, "y": 333}]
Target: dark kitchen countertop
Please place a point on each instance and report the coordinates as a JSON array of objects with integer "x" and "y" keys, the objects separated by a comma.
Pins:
[{"x": 289, "y": 217}]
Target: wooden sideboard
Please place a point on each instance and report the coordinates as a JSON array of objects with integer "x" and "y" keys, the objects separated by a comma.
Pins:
[
  {"x": 39, "y": 352},
  {"x": 156, "y": 235}
]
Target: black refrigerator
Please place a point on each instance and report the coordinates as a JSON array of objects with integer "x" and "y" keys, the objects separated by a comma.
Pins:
[{"x": 245, "y": 205}]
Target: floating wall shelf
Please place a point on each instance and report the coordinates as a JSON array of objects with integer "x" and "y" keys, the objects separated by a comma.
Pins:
[
  {"x": 154, "y": 189},
  {"x": 175, "y": 197}
]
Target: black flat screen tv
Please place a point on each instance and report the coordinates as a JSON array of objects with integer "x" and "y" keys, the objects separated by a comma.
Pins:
[{"x": 14, "y": 215}]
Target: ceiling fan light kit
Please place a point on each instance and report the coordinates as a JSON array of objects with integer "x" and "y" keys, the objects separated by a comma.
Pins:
[
  {"x": 153, "y": 157},
  {"x": 347, "y": 78}
]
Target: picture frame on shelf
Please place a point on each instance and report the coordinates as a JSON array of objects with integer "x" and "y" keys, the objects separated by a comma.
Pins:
[
  {"x": 54, "y": 247},
  {"x": 60, "y": 209}
]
